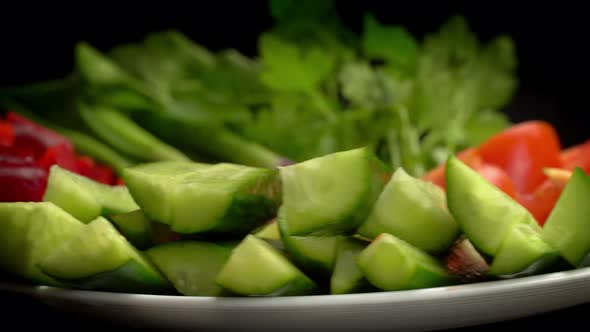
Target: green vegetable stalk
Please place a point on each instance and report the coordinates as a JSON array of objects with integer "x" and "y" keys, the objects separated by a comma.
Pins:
[{"x": 315, "y": 87}]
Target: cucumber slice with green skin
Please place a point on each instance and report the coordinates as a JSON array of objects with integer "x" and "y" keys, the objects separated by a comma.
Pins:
[
  {"x": 141, "y": 232},
  {"x": 568, "y": 226},
  {"x": 255, "y": 268},
  {"x": 414, "y": 211},
  {"x": 191, "y": 266},
  {"x": 330, "y": 195},
  {"x": 99, "y": 256},
  {"x": 522, "y": 249},
  {"x": 270, "y": 233},
  {"x": 314, "y": 255},
  {"x": 85, "y": 198},
  {"x": 392, "y": 264},
  {"x": 205, "y": 198},
  {"x": 29, "y": 231},
  {"x": 347, "y": 277},
  {"x": 484, "y": 213}
]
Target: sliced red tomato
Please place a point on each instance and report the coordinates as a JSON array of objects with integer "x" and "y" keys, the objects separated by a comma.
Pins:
[
  {"x": 576, "y": 156},
  {"x": 498, "y": 177},
  {"x": 522, "y": 151},
  {"x": 540, "y": 202},
  {"x": 469, "y": 156}
]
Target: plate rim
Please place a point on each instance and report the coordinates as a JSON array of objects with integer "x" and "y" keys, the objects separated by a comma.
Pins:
[{"x": 458, "y": 291}]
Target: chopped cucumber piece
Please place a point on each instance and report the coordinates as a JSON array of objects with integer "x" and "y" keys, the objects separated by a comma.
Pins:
[
  {"x": 314, "y": 255},
  {"x": 191, "y": 266},
  {"x": 96, "y": 250},
  {"x": 484, "y": 213},
  {"x": 330, "y": 195},
  {"x": 255, "y": 268},
  {"x": 414, "y": 211},
  {"x": 198, "y": 198},
  {"x": 522, "y": 249},
  {"x": 85, "y": 198},
  {"x": 29, "y": 231},
  {"x": 392, "y": 264},
  {"x": 347, "y": 277},
  {"x": 142, "y": 232},
  {"x": 568, "y": 226}
]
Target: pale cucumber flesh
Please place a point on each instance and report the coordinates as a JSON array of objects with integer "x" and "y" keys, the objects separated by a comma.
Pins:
[
  {"x": 191, "y": 266},
  {"x": 29, "y": 231},
  {"x": 329, "y": 195},
  {"x": 393, "y": 264},
  {"x": 255, "y": 268},
  {"x": 484, "y": 213},
  {"x": 199, "y": 198},
  {"x": 522, "y": 247},
  {"x": 99, "y": 248},
  {"x": 414, "y": 211},
  {"x": 84, "y": 198},
  {"x": 347, "y": 277}
]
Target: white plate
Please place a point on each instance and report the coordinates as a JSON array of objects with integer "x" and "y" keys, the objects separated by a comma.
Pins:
[{"x": 423, "y": 309}]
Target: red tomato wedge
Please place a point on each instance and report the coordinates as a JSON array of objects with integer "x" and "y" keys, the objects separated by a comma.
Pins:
[
  {"x": 542, "y": 200},
  {"x": 498, "y": 177},
  {"x": 576, "y": 156},
  {"x": 522, "y": 151},
  {"x": 469, "y": 156}
]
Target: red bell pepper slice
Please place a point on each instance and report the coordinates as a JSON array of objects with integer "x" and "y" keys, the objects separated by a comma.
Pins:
[
  {"x": 6, "y": 134},
  {"x": 30, "y": 135},
  {"x": 60, "y": 155},
  {"x": 22, "y": 183}
]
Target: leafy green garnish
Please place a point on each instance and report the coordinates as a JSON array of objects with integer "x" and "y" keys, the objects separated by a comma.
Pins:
[{"x": 315, "y": 87}]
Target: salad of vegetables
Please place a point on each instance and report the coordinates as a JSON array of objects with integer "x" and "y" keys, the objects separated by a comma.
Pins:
[
  {"x": 332, "y": 162},
  {"x": 342, "y": 223}
]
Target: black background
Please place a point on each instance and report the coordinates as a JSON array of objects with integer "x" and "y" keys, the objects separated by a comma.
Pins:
[{"x": 37, "y": 40}]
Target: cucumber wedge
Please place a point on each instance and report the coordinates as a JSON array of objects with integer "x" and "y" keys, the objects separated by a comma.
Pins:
[
  {"x": 141, "y": 232},
  {"x": 191, "y": 266},
  {"x": 522, "y": 253},
  {"x": 330, "y": 195},
  {"x": 393, "y": 264},
  {"x": 314, "y": 255},
  {"x": 205, "y": 198},
  {"x": 347, "y": 277},
  {"x": 28, "y": 233},
  {"x": 484, "y": 213},
  {"x": 414, "y": 211},
  {"x": 84, "y": 198},
  {"x": 255, "y": 268},
  {"x": 98, "y": 257},
  {"x": 568, "y": 226},
  {"x": 498, "y": 226}
]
